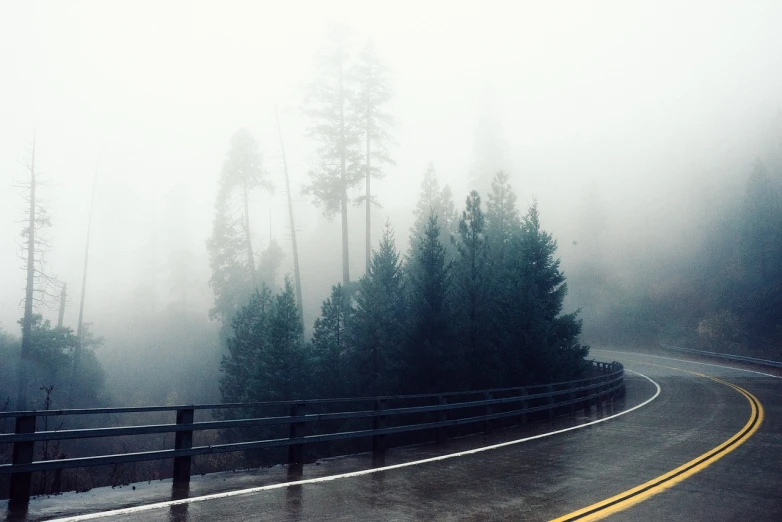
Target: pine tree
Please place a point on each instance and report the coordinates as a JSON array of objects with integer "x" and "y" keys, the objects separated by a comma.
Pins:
[
  {"x": 502, "y": 218},
  {"x": 334, "y": 127},
  {"x": 374, "y": 91},
  {"x": 503, "y": 226},
  {"x": 472, "y": 286},
  {"x": 546, "y": 343},
  {"x": 377, "y": 327},
  {"x": 283, "y": 364},
  {"x": 269, "y": 264},
  {"x": 430, "y": 318},
  {"x": 250, "y": 338},
  {"x": 448, "y": 216},
  {"x": 330, "y": 345},
  {"x": 266, "y": 357},
  {"x": 428, "y": 204},
  {"x": 234, "y": 272},
  {"x": 439, "y": 201}
]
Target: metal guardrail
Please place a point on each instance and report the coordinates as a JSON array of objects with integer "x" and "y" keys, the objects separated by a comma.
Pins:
[
  {"x": 584, "y": 393},
  {"x": 762, "y": 362}
]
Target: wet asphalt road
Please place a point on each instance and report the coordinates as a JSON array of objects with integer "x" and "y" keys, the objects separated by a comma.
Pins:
[{"x": 544, "y": 478}]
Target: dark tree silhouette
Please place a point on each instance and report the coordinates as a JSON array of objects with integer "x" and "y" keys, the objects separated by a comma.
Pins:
[
  {"x": 339, "y": 168},
  {"x": 374, "y": 91}
]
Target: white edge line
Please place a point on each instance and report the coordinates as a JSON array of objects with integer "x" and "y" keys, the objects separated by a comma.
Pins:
[
  {"x": 169, "y": 503},
  {"x": 688, "y": 361}
]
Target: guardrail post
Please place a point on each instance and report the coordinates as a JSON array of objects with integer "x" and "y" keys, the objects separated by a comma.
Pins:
[
  {"x": 296, "y": 451},
  {"x": 487, "y": 410},
  {"x": 183, "y": 440},
  {"x": 22, "y": 454},
  {"x": 378, "y": 423},
  {"x": 440, "y": 434},
  {"x": 550, "y": 402}
]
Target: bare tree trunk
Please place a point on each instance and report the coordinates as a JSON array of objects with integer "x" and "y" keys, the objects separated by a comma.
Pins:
[
  {"x": 63, "y": 295},
  {"x": 343, "y": 180},
  {"x": 369, "y": 176},
  {"x": 79, "y": 325},
  {"x": 27, "y": 321},
  {"x": 296, "y": 273},
  {"x": 250, "y": 256}
]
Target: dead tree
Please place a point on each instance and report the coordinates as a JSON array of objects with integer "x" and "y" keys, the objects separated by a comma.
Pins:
[
  {"x": 39, "y": 284},
  {"x": 296, "y": 273}
]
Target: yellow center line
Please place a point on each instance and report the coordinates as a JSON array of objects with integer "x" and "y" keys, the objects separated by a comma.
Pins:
[{"x": 659, "y": 484}]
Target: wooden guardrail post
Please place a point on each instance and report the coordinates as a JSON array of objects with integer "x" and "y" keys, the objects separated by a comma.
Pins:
[
  {"x": 487, "y": 411},
  {"x": 183, "y": 440},
  {"x": 441, "y": 433},
  {"x": 22, "y": 454},
  {"x": 378, "y": 423},
  {"x": 296, "y": 451}
]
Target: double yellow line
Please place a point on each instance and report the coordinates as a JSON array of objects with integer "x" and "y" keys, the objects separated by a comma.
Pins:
[{"x": 657, "y": 485}]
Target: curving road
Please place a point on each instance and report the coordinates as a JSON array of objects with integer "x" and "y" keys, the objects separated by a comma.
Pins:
[{"x": 717, "y": 428}]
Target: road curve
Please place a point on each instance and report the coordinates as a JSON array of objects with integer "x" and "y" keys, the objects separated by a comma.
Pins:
[{"x": 560, "y": 475}]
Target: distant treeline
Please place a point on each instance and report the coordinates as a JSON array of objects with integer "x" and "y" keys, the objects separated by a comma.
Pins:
[
  {"x": 476, "y": 303},
  {"x": 724, "y": 294}
]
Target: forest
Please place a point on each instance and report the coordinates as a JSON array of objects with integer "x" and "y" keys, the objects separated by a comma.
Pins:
[
  {"x": 720, "y": 291},
  {"x": 237, "y": 203},
  {"x": 404, "y": 278},
  {"x": 476, "y": 301}
]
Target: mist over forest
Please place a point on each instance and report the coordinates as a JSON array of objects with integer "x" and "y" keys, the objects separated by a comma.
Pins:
[{"x": 626, "y": 163}]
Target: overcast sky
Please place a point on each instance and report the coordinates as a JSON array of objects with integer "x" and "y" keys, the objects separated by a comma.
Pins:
[{"x": 643, "y": 100}]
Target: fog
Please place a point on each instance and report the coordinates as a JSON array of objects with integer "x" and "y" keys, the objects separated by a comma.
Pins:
[{"x": 639, "y": 117}]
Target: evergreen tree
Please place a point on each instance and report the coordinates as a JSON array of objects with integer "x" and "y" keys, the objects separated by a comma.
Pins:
[
  {"x": 251, "y": 337},
  {"x": 51, "y": 358},
  {"x": 374, "y": 91},
  {"x": 334, "y": 127},
  {"x": 270, "y": 263},
  {"x": 502, "y": 227},
  {"x": 448, "y": 217},
  {"x": 473, "y": 294},
  {"x": 430, "y": 323},
  {"x": 266, "y": 357},
  {"x": 502, "y": 218},
  {"x": 377, "y": 327},
  {"x": 9, "y": 353},
  {"x": 234, "y": 273},
  {"x": 282, "y": 365},
  {"x": 330, "y": 345},
  {"x": 437, "y": 201},
  {"x": 428, "y": 204},
  {"x": 544, "y": 344}
]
